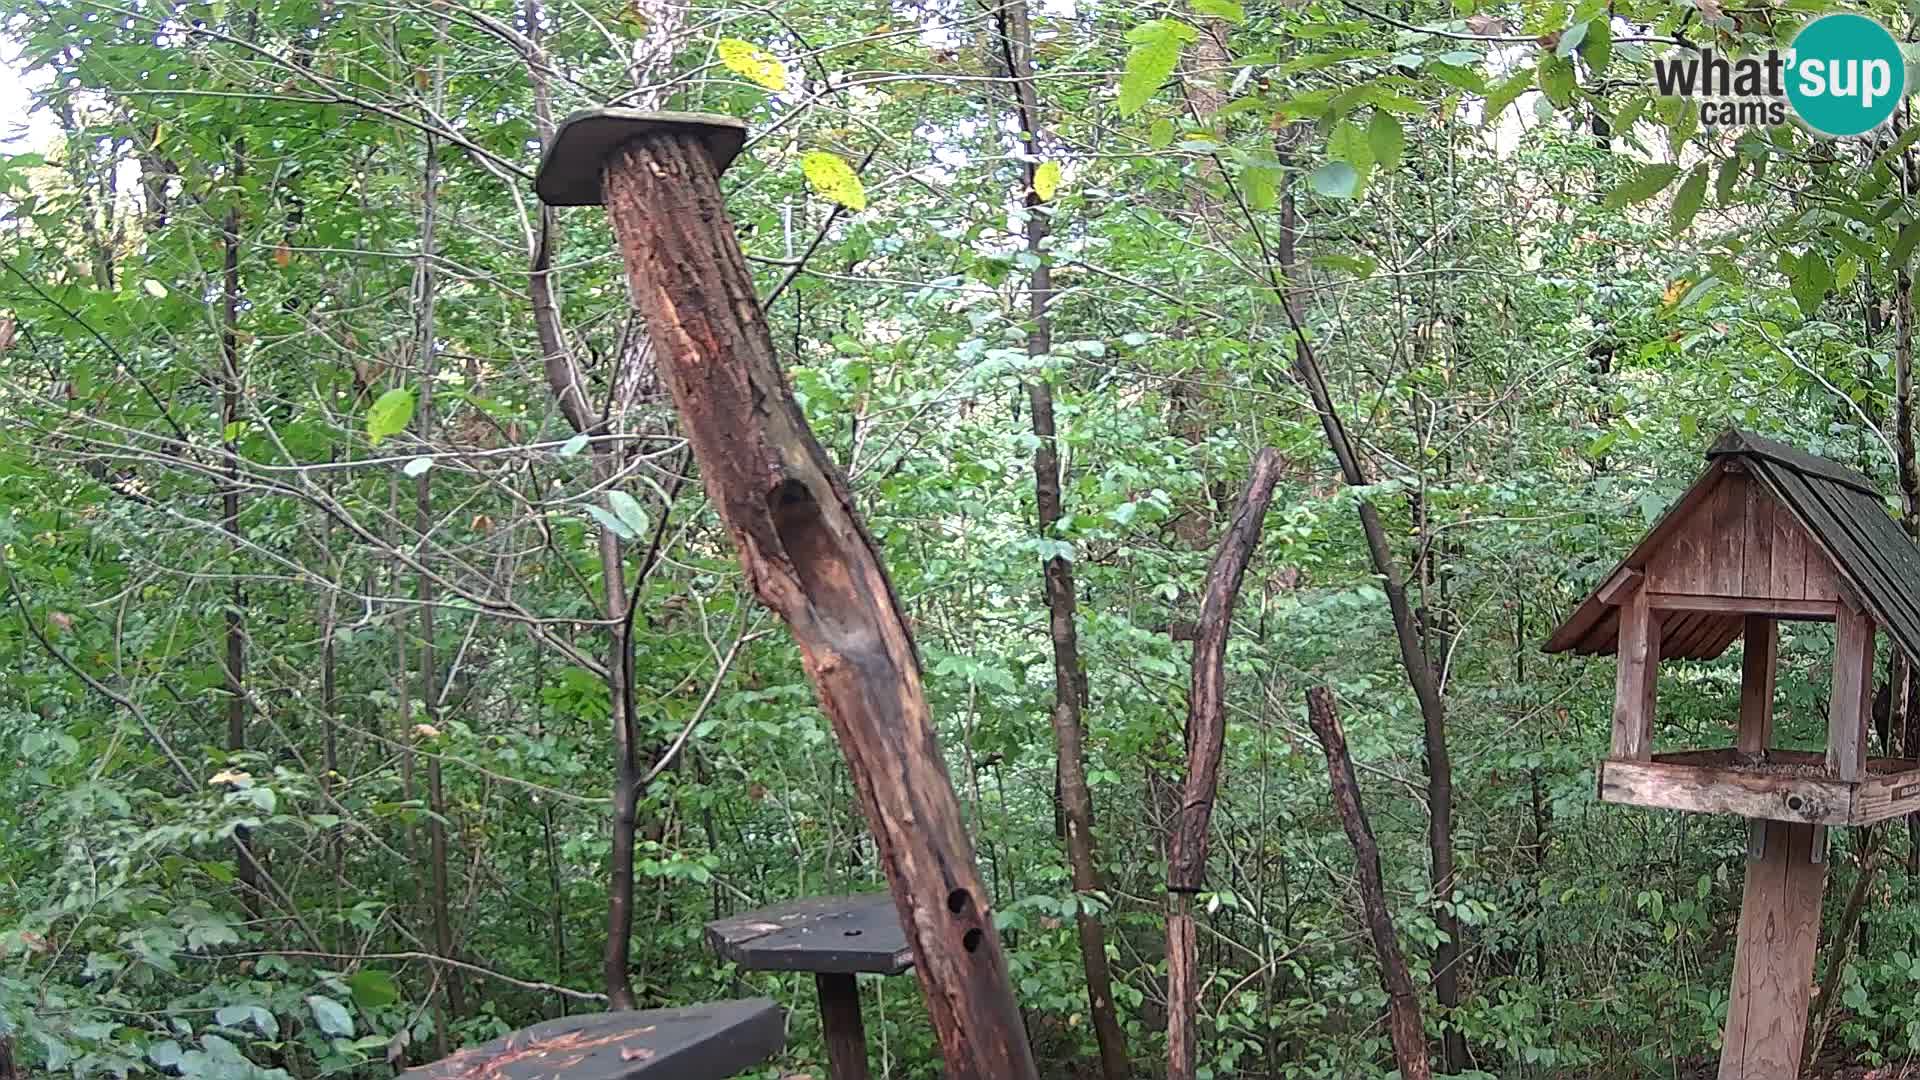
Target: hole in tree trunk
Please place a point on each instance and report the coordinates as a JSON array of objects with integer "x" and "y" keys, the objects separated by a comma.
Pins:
[
  {"x": 958, "y": 900},
  {"x": 971, "y": 940}
]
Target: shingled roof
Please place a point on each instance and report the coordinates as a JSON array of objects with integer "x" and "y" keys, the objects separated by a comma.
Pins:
[{"x": 1840, "y": 510}]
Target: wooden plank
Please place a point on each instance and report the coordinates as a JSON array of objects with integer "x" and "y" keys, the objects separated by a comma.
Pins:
[
  {"x": 1886, "y": 794},
  {"x": 1773, "y": 959},
  {"x": 1677, "y": 632},
  {"x": 1756, "y": 577},
  {"x": 1852, "y": 702},
  {"x": 1789, "y": 557},
  {"x": 1703, "y": 789},
  {"x": 1822, "y": 581},
  {"x": 1621, "y": 585},
  {"x": 1727, "y": 546},
  {"x": 1635, "y": 680},
  {"x": 844, "y": 934},
  {"x": 703, "y": 1040},
  {"x": 1756, "y": 684},
  {"x": 1683, "y": 564},
  {"x": 1818, "y": 610}
]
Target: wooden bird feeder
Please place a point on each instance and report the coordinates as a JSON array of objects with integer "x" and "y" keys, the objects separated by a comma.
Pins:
[{"x": 1767, "y": 533}]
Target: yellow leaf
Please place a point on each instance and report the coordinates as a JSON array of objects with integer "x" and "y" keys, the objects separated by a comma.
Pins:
[
  {"x": 749, "y": 61},
  {"x": 1675, "y": 291},
  {"x": 831, "y": 176},
  {"x": 1046, "y": 180}
]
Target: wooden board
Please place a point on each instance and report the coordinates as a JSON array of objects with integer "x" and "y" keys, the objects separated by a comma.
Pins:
[
  {"x": 1791, "y": 786},
  {"x": 696, "y": 1043},
  {"x": 844, "y": 934},
  {"x": 1773, "y": 958}
]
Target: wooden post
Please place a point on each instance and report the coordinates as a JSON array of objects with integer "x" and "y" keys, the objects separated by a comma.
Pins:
[
  {"x": 1851, "y": 705},
  {"x": 806, "y": 553},
  {"x": 1636, "y": 678},
  {"x": 1773, "y": 958},
  {"x": 1756, "y": 684},
  {"x": 840, "y": 1025}
]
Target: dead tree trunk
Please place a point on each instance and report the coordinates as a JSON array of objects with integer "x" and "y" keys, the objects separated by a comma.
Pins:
[
  {"x": 1403, "y": 1005},
  {"x": 1069, "y": 685},
  {"x": 809, "y": 558},
  {"x": 1206, "y": 742}
]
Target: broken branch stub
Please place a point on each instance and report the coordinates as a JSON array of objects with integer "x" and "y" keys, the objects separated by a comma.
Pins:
[{"x": 808, "y": 557}]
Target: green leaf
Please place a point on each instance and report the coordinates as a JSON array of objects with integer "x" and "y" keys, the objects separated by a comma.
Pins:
[
  {"x": 1220, "y": 9},
  {"x": 1570, "y": 40},
  {"x": 1729, "y": 175},
  {"x": 332, "y": 1016},
  {"x": 1260, "y": 183},
  {"x": 1155, "y": 53},
  {"x": 574, "y": 445},
  {"x": 1556, "y": 80},
  {"x": 628, "y": 509},
  {"x": 1597, "y": 49},
  {"x": 1386, "y": 138},
  {"x": 372, "y": 988},
  {"x": 1686, "y": 201},
  {"x": 390, "y": 414},
  {"x": 832, "y": 177},
  {"x": 1349, "y": 144},
  {"x": 1160, "y": 135},
  {"x": 1901, "y": 253},
  {"x": 611, "y": 523},
  {"x": 1335, "y": 179},
  {"x": 1810, "y": 277},
  {"x": 1505, "y": 94},
  {"x": 1463, "y": 78},
  {"x": 1644, "y": 184}
]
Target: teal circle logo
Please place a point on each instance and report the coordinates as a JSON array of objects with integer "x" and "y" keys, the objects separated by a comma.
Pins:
[{"x": 1846, "y": 74}]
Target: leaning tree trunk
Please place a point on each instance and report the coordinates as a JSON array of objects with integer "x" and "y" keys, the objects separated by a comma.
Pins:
[
  {"x": 1069, "y": 728},
  {"x": 1404, "y": 1025},
  {"x": 1206, "y": 742},
  {"x": 809, "y": 558},
  {"x": 1419, "y": 667}
]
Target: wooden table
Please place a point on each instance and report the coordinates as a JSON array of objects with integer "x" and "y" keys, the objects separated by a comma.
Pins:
[
  {"x": 835, "y": 937},
  {"x": 702, "y": 1042}
]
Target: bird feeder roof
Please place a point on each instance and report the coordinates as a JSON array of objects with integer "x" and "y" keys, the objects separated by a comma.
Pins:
[{"x": 1767, "y": 529}]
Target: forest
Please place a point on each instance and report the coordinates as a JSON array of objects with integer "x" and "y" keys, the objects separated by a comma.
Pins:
[{"x": 1230, "y": 398}]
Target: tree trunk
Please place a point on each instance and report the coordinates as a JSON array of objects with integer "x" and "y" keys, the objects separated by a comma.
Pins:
[
  {"x": 1075, "y": 800},
  {"x": 426, "y": 293},
  {"x": 1413, "y": 657},
  {"x": 809, "y": 558},
  {"x": 1206, "y": 742},
  {"x": 236, "y": 617},
  {"x": 1404, "y": 1025}
]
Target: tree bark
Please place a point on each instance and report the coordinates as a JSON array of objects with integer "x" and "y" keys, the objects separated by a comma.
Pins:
[
  {"x": 1404, "y": 1025},
  {"x": 809, "y": 558},
  {"x": 1413, "y": 656},
  {"x": 1075, "y": 799},
  {"x": 1206, "y": 742}
]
